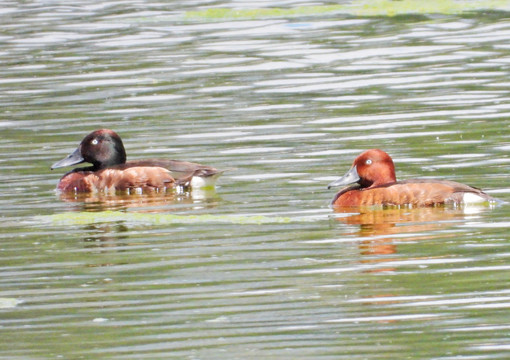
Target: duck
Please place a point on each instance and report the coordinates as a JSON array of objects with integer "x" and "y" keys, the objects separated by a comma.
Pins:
[
  {"x": 371, "y": 181},
  {"x": 110, "y": 172}
]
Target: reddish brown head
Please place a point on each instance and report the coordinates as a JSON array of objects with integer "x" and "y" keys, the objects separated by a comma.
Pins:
[
  {"x": 371, "y": 168},
  {"x": 102, "y": 148}
]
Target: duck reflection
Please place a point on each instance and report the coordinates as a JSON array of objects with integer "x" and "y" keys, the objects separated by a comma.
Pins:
[
  {"x": 147, "y": 201},
  {"x": 115, "y": 236},
  {"x": 387, "y": 221},
  {"x": 380, "y": 229},
  {"x": 118, "y": 235}
]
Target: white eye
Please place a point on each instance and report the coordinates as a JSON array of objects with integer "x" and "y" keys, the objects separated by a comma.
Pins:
[
  {"x": 368, "y": 162},
  {"x": 94, "y": 142}
]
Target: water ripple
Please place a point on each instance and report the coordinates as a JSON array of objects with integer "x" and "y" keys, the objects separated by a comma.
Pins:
[{"x": 261, "y": 267}]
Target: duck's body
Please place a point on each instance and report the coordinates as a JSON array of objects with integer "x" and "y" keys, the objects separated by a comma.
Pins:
[
  {"x": 111, "y": 172},
  {"x": 116, "y": 179},
  {"x": 416, "y": 192},
  {"x": 372, "y": 182}
]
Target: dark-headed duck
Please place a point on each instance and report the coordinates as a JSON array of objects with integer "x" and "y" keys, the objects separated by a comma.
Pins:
[
  {"x": 111, "y": 172},
  {"x": 372, "y": 181}
]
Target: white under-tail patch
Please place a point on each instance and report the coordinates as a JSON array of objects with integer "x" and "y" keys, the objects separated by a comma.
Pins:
[
  {"x": 203, "y": 182},
  {"x": 472, "y": 198}
]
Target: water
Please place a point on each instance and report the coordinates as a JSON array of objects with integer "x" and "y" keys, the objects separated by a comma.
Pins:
[{"x": 262, "y": 268}]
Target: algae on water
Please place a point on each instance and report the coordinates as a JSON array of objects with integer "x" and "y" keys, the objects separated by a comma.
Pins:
[
  {"x": 86, "y": 218},
  {"x": 354, "y": 8}
]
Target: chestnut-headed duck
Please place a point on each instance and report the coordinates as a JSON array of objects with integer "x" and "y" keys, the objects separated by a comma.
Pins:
[
  {"x": 111, "y": 172},
  {"x": 372, "y": 181}
]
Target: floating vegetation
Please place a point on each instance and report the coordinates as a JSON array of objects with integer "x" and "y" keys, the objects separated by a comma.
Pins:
[
  {"x": 227, "y": 13},
  {"x": 87, "y": 218},
  {"x": 355, "y": 8}
]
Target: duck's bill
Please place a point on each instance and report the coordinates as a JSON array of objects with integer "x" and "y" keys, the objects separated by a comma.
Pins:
[
  {"x": 71, "y": 159},
  {"x": 350, "y": 177}
]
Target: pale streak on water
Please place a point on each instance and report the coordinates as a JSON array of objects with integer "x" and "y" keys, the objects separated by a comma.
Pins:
[{"x": 286, "y": 104}]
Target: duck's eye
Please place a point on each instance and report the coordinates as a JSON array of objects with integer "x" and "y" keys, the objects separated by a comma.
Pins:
[
  {"x": 368, "y": 162},
  {"x": 94, "y": 142}
]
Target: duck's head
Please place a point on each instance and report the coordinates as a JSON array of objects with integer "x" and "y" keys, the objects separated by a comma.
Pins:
[
  {"x": 102, "y": 148},
  {"x": 371, "y": 168}
]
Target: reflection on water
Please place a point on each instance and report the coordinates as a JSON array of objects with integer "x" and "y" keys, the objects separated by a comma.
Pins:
[
  {"x": 381, "y": 230},
  {"x": 148, "y": 201},
  {"x": 394, "y": 221}
]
